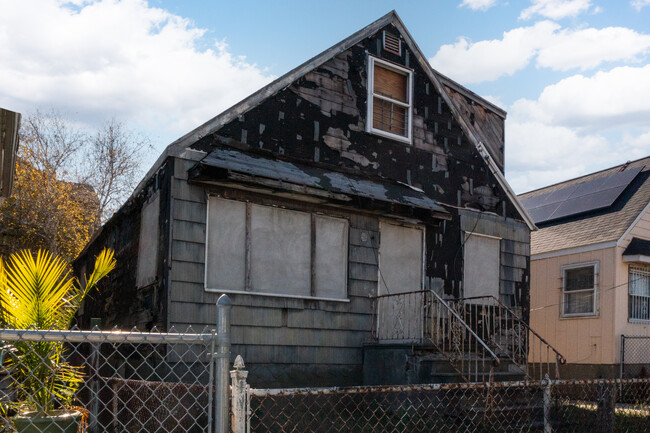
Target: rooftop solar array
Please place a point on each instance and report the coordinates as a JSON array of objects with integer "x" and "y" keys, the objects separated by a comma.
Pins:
[{"x": 579, "y": 198}]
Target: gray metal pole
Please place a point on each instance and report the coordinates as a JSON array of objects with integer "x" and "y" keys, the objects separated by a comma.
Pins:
[
  {"x": 547, "y": 405},
  {"x": 222, "y": 400}
]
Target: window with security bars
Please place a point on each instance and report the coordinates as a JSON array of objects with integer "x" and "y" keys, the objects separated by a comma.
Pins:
[
  {"x": 389, "y": 100},
  {"x": 579, "y": 289},
  {"x": 639, "y": 292}
]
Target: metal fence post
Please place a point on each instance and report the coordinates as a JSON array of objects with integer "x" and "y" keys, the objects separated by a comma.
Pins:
[
  {"x": 622, "y": 355},
  {"x": 239, "y": 398},
  {"x": 221, "y": 402},
  {"x": 548, "y": 428}
]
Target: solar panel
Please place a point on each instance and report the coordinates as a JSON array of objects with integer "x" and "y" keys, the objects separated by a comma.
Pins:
[{"x": 579, "y": 198}]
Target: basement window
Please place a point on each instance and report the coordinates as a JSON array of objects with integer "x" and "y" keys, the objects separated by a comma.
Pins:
[
  {"x": 271, "y": 251},
  {"x": 390, "y": 98},
  {"x": 579, "y": 288}
]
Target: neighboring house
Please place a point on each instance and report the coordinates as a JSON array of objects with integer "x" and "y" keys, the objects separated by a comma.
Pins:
[
  {"x": 590, "y": 265},
  {"x": 9, "y": 126},
  {"x": 362, "y": 172}
]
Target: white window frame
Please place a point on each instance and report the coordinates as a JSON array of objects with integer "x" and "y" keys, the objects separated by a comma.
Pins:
[
  {"x": 594, "y": 312},
  {"x": 371, "y": 95},
  {"x": 642, "y": 268},
  {"x": 248, "y": 291}
]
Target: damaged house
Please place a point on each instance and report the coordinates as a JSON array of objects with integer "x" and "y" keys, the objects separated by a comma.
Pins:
[{"x": 349, "y": 209}]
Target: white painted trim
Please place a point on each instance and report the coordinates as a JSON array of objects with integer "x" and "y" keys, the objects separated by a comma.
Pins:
[
  {"x": 575, "y": 250},
  {"x": 639, "y": 258},
  {"x": 596, "y": 266},
  {"x": 371, "y": 95},
  {"x": 636, "y": 220},
  {"x": 276, "y": 295}
]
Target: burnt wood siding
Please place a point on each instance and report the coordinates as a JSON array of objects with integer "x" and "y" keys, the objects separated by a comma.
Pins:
[{"x": 118, "y": 302}]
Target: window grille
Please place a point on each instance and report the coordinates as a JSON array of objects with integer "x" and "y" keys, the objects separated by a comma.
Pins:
[{"x": 639, "y": 292}]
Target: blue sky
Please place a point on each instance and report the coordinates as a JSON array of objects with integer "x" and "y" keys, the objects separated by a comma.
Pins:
[{"x": 574, "y": 75}]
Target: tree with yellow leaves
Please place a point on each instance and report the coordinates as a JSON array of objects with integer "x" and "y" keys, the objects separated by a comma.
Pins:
[{"x": 67, "y": 183}]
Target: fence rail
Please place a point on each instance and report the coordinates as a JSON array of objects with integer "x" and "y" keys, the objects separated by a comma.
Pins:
[
  {"x": 116, "y": 381},
  {"x": 597, "y": 406}
]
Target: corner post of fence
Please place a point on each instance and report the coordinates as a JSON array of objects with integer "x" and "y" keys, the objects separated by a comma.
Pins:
[
  {"x": 222, "y": 399},
  {"x": 548, "y": 428},
  {"x": 605, "y": 412},
  {"x": 239, "y": 398}
]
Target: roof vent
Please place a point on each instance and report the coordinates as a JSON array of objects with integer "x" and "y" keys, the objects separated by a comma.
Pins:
[{"x": 392, "y": 44}]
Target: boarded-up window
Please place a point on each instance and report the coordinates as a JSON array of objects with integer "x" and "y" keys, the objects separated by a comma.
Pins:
[
  {"x": 389, "y": 96},
  {"x": 401, "y": 258},
  {"x": 226, "y": 246},
  {"x": 148, "y": 248},
  {"x": 269, "y": 250},
  {"x": 280, "y": 251},
  {"x": 482, "y": 257}
]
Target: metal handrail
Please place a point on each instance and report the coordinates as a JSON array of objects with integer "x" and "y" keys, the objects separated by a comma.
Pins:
[
  {"x": 495, "y": 358},
  {"x": 423, "y": 316},
  {"x": 529, "y": 351}
]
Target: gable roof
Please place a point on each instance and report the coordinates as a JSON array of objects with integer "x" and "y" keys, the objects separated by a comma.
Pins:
[
  {"x": 475, "y": 136},
  {"x": 598, "y": 226}
]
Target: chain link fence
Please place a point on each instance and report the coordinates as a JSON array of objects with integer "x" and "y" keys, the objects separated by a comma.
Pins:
[
  {"x": 116, "y": 381},
  {"x": 543, "y": 406},
  {"x": 635, "y": 356}
]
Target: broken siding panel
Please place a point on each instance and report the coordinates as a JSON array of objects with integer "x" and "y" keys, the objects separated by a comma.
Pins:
[
  {"x": 313, "y": 125},
  {"x": 189, "y": 211}
]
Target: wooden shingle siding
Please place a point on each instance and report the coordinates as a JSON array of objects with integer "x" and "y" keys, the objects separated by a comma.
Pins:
[{"x": 273, "y": 330}]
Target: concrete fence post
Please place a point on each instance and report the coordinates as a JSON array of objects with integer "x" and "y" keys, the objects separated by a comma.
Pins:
[
  {"x": 222, "y": 398},
  {"x": 548, "y": 428},
  {"x": 239, "y": 397}
]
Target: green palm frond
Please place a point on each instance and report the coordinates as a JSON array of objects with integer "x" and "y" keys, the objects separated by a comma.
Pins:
[{"x": 39, "y": 291}]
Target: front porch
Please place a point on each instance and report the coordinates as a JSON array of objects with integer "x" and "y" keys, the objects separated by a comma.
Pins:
[{"x": 428, "y": 339}]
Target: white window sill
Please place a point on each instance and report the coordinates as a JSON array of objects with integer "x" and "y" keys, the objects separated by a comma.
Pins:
[
  {"x": 580, "y": 316},
  {"x": 639, "y": 321},
  {"x": 277, "y": 295}
]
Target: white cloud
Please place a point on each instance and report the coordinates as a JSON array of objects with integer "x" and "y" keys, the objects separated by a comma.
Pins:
[
  {"x": 608, "y": 99},
  {"x": 552, "y": 46},
  {"x": 588, "y": 48},
  {"x": 478, "y": 4},
  {"x": 555, "y": 9},
  {"x": 469, "y": 62},
  {"x": 575, "y": 125},
  {"x": 117, "y": 58},
  {"x": 640, "y": 4}
]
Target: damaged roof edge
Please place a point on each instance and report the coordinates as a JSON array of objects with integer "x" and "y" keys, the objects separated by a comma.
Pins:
[
  {"x": 434, "y": 77},
  {"x": 178, "y": 148}
]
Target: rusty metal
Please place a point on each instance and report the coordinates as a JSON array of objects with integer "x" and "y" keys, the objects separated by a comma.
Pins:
[
  {"x": 423, "y": 317},
  {"x": 509, "y": 336}
]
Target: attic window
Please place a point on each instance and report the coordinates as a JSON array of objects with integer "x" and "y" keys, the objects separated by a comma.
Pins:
[
  {"x": 389, "y": 99},
  {"x": 392, "y": 44}
]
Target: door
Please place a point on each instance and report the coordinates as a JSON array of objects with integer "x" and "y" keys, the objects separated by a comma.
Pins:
[{"x": 401, "y": 259}]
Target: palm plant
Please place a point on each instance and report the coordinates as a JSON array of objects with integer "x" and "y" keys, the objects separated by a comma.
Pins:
[{"x": 39, "y": 292}]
